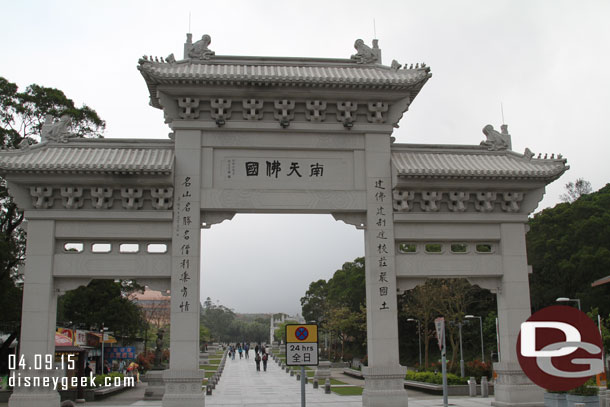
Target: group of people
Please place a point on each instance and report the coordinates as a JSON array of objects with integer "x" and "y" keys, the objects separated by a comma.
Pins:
[
  {"x": 240, "y": 348},
  {"x": 260, "y": 354}
]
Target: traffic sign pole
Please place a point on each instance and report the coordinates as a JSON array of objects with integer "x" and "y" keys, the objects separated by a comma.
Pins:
[
  {"x": 302, "y": 349},
  {"x": 445, "y": 388},
  {"x": 439, "y": 323},
  {"x": 303, "y": 380}
]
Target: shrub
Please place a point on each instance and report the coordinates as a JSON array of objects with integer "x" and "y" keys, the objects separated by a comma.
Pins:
[
  {"x": 99, "y": 380},
  {"x": 146, "y": 359},
  {"x": 584, "y": 390},
  {"x": 435, "y": 378},
  {"x": 478, "y": 369}
]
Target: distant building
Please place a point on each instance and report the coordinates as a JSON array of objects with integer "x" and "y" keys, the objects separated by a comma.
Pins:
[
  {"x": 278, "y": 319},
  {"x": 155, "y": 305}
]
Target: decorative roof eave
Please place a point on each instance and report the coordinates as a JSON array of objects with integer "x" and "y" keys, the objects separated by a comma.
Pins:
[
  {"x": 92, "y": 156},
  {"x": 445, "y": 162},
  {"x": 355, "y": 77},
  {"x": 545, "y": 179}
]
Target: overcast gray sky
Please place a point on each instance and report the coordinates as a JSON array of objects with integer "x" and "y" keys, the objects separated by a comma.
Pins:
[{"x": 545, "y": 61}]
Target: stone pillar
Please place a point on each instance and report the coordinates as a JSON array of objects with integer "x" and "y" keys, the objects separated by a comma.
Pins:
[
  {"x": 323, "y": 370},
  {"x": 512, "y": 387},
  {"x": 38, "y": 315},
  {"x": 183, "y": 379},
  {"x": 384, "y": 377}
]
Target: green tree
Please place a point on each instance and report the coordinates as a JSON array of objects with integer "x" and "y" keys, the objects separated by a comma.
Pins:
[
  {"x": 21, "y": 116},
  {"x": 339, "y": 307},
  {"x": 314, "y": 304},
  {"x": 347, "y": 286},
  {"x": 575, "y": 190},
  {"x": 103, "y": 302},
  {"x": 453, "y": 299},
  {"x": 204, "y": 335},
  {"x": 218, "y": 319},
  {"x": 604, "y": 328},
  {"x": 349, "y": 327},
  {"x": 255, "y": 331},
  {"x": 420, "y": 304},
  {"x": 568, "y": 247}
]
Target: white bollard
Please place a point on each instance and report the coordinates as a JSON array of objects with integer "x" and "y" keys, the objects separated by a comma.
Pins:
[
  {"x": 472, "y": 387},
  {"x": 484, "y": 387}
]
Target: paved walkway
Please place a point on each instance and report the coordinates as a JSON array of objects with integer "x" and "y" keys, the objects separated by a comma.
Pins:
[{"x": 242, "y": 386}]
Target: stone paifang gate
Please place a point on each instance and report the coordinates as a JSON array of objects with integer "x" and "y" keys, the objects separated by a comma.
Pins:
[{"x": 276, "y": 135}]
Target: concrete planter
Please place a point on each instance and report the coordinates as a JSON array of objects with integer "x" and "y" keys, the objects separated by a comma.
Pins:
[
  {"x": 588, "y": 401},
  {"x": 555, "y": 400},
  {"x": 454, "y": 390}
]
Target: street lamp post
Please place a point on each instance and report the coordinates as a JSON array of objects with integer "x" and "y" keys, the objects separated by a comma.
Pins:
[
  {"x": 481, "y": 325},
  {"x": 462, "y": 372},
  {"x": 103, "y": 329},
  {"x": 419, "y": 336},
  {"x": 566, "y": 299}
]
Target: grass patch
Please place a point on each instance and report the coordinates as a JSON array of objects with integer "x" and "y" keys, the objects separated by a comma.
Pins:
[
  {"x": 347, "y": 391},
  {"x": 209, "y": 367},
  {"x": 335, "y": 381}
]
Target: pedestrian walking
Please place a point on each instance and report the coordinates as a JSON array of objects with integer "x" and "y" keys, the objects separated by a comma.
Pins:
[
  {"x": 256, "y": 349},
  {"x": 240, "y": 350},
  {"x": 247, "y": 350},
  {"x": 257, "y": 360},
  {"x": 265, "y": 357}
]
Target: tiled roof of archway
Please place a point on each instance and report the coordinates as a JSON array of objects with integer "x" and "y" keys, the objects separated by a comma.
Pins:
[
  {"x": 277, "y": 72},
  {"x": 472, "y": 162},
  {"x": 92, "y": 156}
]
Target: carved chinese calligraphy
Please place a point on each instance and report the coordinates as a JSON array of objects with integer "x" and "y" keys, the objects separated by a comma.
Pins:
[
  {"x": 186, "y": 229},
  {"x": 383, "y": 240}
]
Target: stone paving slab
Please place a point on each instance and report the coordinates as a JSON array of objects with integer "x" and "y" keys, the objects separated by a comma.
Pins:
[{"x": 242, "y": 386}]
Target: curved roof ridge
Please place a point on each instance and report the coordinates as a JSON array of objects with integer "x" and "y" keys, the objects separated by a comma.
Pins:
[
  {"x": 432, "y": 161},
  {"x": 91, "y": 157}
]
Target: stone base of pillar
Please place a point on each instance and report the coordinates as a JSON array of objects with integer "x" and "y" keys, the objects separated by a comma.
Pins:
[
  {"x": 36, "y": 396},
  {"x": 322, "y": 371},
  {"x": 183, "y": 388},
  {"x": 384, "y": 387},
  {"x": 155, "y": 385},
  {"x": 27, "y": 399},
  {"x": 513, "y": 388}
]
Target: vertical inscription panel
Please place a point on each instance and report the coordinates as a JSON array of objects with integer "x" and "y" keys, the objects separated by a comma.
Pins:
[
  {"x": 381, "y": 304},
  {"x": 186, "y": 252}
]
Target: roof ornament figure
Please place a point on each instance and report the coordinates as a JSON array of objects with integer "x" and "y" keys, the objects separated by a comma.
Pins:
[
  {"x": 495, "y": 140},
  {"x": 58, "y": 131},
  {"x": 199, "y": 49},
  {"x": 25, "y": 143},
  {"x": 366, "y": 54}
]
